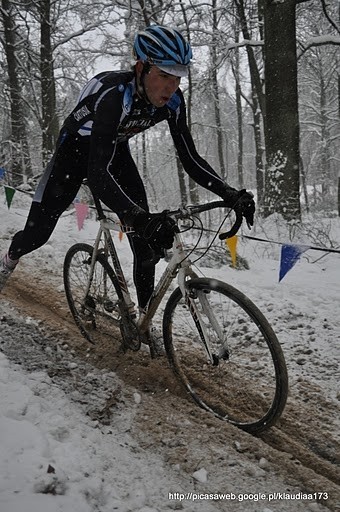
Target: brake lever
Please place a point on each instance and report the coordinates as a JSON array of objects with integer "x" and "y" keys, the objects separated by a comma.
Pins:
[{"x": 234, "y": 228}]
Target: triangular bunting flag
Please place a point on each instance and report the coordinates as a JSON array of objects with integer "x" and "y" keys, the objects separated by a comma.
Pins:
[
  {"x": 231, "y": 243},
  {"x": 81, "y": 211},
  {"x": 2, "y": 173},
  {"x": 290, "y": 254},
  {"x": 9, "y": 192},
  {"x": 120, "y": 235}
]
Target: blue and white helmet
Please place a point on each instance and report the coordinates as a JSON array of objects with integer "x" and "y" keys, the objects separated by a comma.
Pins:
[{"x": 164, "y": 47}]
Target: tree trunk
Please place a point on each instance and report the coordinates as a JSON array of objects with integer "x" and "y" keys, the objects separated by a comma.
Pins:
[
  {"x": 181, "y": 181},
  {"x": 193, "y": 189},
  {"x": 259, "y": 157},
  {"x": 253, "y": 68},
  {"x": 325, "y": 160},
  {"x": 48, "y": 98},
  {"x": 282, "y": 119},
  {"x": 258, "y": 102},
  {"x": 239, "y": 114},
  {"x": 216, "y": 95},
  {"x": 304, "y": 185},
  {"x": 20, "y": 159}
]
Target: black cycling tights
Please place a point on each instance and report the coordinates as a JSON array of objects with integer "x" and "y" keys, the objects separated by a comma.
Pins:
[{"x": 58, "y": 188}]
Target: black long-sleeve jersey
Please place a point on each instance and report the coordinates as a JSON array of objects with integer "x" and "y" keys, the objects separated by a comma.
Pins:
[{"x": 109, "y": 111}]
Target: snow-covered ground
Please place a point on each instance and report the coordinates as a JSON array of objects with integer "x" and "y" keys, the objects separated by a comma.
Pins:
[{"x": 54, "y": 456}]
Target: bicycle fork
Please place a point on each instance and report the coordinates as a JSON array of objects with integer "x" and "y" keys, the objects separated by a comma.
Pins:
[{"x": 201, "y": 295}]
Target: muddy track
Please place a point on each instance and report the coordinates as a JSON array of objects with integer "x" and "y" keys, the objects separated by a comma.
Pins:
[{"x": 304, "y": 448}]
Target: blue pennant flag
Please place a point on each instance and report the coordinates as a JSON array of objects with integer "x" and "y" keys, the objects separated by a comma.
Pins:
[
  {"x": 290, "y": 254},
  {"x": 2, "y": 173}
]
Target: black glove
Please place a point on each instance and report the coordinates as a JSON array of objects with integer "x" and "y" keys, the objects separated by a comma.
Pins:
[
  {"x": 240, "y": 200},
  {"x": 157, "y": 228}
]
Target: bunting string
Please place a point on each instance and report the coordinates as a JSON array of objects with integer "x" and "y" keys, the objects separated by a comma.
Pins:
[
  {"x": 324, "y": 249},
  {"x": 290, "y": 253}
]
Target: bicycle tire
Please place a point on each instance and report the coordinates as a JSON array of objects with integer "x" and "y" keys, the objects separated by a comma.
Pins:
[
  {"x": 97, "y": 313},
  {"x": 247, "y": 384}
]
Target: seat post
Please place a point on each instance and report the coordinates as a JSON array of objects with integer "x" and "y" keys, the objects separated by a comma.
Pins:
[{"x": 98, "y": 205}]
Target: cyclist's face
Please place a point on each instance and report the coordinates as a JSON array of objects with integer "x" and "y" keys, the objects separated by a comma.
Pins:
[{"x": 159, "y": 86}]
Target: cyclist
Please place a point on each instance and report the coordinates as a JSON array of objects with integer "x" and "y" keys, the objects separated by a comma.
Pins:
[{"x": 93, "y": 142}]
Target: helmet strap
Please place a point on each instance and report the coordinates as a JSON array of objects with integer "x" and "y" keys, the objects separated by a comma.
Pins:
[{"x": 140, "y": 83}]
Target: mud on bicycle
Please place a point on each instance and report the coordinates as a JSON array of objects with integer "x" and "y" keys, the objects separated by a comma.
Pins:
[{"x": 218, "y": 343}]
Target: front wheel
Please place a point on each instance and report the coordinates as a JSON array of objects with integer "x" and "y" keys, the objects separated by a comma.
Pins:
[{"x": 226, "y": 354}]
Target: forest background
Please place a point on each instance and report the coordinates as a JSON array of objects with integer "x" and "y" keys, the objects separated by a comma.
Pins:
[{"x": 263, "y": 93}]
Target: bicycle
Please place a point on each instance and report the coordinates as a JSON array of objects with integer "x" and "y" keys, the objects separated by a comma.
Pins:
[{"x": 218, "y": 343}]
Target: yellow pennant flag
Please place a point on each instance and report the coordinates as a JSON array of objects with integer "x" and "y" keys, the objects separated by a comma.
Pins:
[{"x": 231, "y": 243}]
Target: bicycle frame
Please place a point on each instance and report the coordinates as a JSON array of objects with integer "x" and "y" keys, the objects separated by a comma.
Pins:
[{"x": 179, "y": 265}]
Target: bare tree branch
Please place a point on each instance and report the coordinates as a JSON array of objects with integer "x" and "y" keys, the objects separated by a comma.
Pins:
[
  {"x": 319, "y": 41},
  {"x": 334, "y": 25}
]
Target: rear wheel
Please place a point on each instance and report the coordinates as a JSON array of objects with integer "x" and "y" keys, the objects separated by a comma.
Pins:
[
  {"x": 94, "y": 303},
  {"x": 241, "y": 375}
]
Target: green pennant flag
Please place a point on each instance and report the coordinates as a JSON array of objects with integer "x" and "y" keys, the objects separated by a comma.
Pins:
[{"x": 9, "y": 192}]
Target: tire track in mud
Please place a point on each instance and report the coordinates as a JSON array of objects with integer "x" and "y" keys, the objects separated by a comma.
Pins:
[{"x": 304, "y": 448}]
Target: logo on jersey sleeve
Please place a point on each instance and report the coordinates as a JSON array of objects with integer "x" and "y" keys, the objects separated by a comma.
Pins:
[{"x": 81, "y": 113}]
